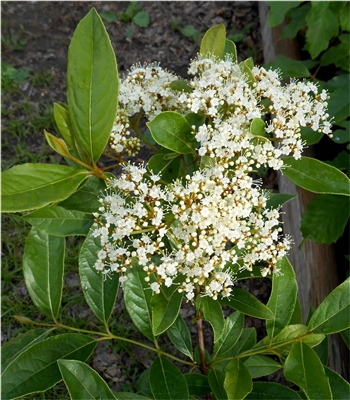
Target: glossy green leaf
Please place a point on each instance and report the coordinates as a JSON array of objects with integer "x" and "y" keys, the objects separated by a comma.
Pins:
[
  {"x": 181, "y": 86},
  {"x": 344, "y": 18},
  {"x": 339, "y": 386},
  {"x": 258, "y": 127},
  {"x": 230, "y": 50},
  {"x": 283, "y": 297},
  {"x": 130, "y": 396},
  {"x": 61, "y": 115},
  {"x": 321, "y": 349},
  {"x": 180, "y": 337},
  {"x": 232, "y": 331},
  {"x": 164, "y": 311},
  {"x": 261, "y": 366},
  {"x": 345, "y": 334},
  {"x": 247, "y": 71},
  {"x": 86, "y": 198},
  {"x": 342, "y": 135},
  {"x": 278, "y": 11},
  {"x": 166, "y": 381},
  {"x": 297, "y": 316},
  {"x": 197, "y": 384},
  {"x": 172, "y": 131},
  {"x": 29, "y": 186},
  {"x": 333, "y": 314},
  {"x": 245, "y": 342},
  {"x": 58, "y": 221},
  {"x": 296, "y": 20},
  {"x": 36, "y": 369},
  {"x": 248, "y": 304},
  {"x": 20, "y": 343},
  {"x": 238, "y": 382},
  {"x": 322, "y": 27},
  {"x": 56, "y": 144},
  {"x": 43, "y": 268},
  {"x": 212, "y": 313},
  {"x": 310, "y": 136},
  {"x": 289, "y": 67},
  {"x": 214, "y": 41},
  {"x": 304, "y": 368},
  {"x": 92, "y": 85},
  {"x": 276, "y": 200},
  {"x": 142, "y": 384},
  {"x": 216, "y": 380},
  {"x": 271, "y": 391},
  {"x": 316, "y": 176},
  {"x": 137, "y": 298},
  {"x": 168, "y": 168},
  {"x": 83, "y": 382},
  {"x": 100, "y": 292},
  {"x": 334, "y": 54},
  {"x": 325, "y": 219}
]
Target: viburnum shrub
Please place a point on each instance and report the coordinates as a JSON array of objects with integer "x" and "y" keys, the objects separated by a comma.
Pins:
[{"x": 185, "y": 226}]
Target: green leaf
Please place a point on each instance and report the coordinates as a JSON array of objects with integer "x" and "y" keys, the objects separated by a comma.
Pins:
[
  {"x": 230, "y": 50},
  {"x": 20, "y": 343},
  {"x": 167, "y": 168},
  {"x": 43, "y": 267},
  {"x": 310, "y": 136},
  {"x": 342, "y": 135},
  {"x": 172, "y": 131},
  {"x": 61, "y": 115},
  {"x": 166, "y": 381},
  {"x": 99, "y": 291},
  {"x": 322, "y": 349},
  {"x": 278, "y": 11},
  {"x": 232, "y": 331},
  {"x": 36, "y": 370},
  {"x": 322, "y": 27},
  {"x": 238, "y": 382},
  {"x": 216, "y": 380},
  {"x": 137, "y": 298},
  {"x": 296, "y": 21},
  {"x": 92, "y": 85},
  {"x": 130, "y": 396},
  {"x": 344, "y": 19},
  {"x": 333, "y": 314},
  {"x": 141, "y": 19},
  {"x": 29, "y": 186},
  {"x": 190, "y": 31},
  {"x": 214, "y": 41},
  {"x": 276, "y": 200},
  {"x": 212, "y": 313},
  {"x": 164, "y": 311},
  {"x": 283, "y": 297},
  {"x": 246, "y": 68},
  {"x": 109, "y": 16},
  {"x": 334, "y": 54},
  {"x": 58, "y": 221},
  {"x": 245, "y": 342},
  {"x": 56, "y": 144},
  {"x": 86, "y": 198},
  {"x": 271, "y": 391},
  {"x": 180, "y": 337},
  {"x": 261, "y": 366},
  {"x": 142, "y": 384},
  {"x": 197, "y": 384},
  {"x": 296, "y": 317},
  {"x": 304, "y": 368},
  {"x": 258, "y": 127},
  {"x": 289, "y": 67},
  {"x": 339, "y": 386},
  {"x": 83, "y": 382},
  {"x": 325, "y": 219},
  {"x": 345, "y": 334},
  {"x": 316, "y": 176},
  {"x": 248, "y": 304},
  {"x": 181, "y": 86}
]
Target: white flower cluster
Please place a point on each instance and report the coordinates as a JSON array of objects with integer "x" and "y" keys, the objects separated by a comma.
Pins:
[
  {"x": 193, "y": 231},
  {"x": 189, "y": 232}
]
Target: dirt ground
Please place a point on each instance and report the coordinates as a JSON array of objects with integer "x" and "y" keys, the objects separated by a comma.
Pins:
[{"x": 48, "y": 27}]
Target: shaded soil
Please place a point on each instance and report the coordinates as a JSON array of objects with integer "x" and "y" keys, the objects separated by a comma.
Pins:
[{"x": 47, "y": 28}]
